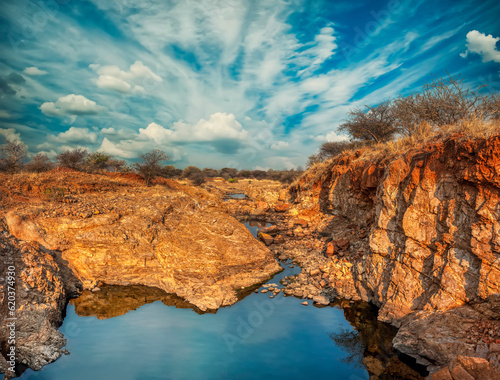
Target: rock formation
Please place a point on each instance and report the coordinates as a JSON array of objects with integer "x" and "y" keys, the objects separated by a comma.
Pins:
[
  {"x": 115, "y": 230},
  {"x": 424, "y": 234}
]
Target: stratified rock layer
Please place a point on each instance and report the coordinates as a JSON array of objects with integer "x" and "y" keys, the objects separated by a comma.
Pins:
[{"x": 432, "y": 240}]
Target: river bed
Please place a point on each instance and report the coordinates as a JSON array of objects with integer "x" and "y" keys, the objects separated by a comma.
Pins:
[{"x": 132, "y": 333}]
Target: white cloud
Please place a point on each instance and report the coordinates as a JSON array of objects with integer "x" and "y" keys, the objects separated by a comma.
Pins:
[
  {"x": 112, "y": 83},
  {"x": 34, "y": 71},
  {"x": 10, "y": 134},
  {"x": 482, "y": 44},
  {"x": 323, "y": 48},
  {"x": 219, "y": 126},
  {"x": 280, "y": 145},
  {"x": 114, "y": 149},
  {"x": 334, "y": 136},
  {"x": 72, "y": 137},
  {"x": 71, "y": 105},
  {"x": 113, "y": 78}
]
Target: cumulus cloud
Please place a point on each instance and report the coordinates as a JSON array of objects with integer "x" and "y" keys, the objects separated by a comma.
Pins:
[
  {"x": 280, "y": 145},
  {"x": 482, "y": 44},
  {"x": 111, "y": 77},
  {"x": 71, "y": 105},
  {"x": 34, "y": 71},
  {"x": 113, "y": 149},
  {"x": 68, "y": 139},
  {"x": 219, "y": 126},
  {"x": 10, "y": 134}
]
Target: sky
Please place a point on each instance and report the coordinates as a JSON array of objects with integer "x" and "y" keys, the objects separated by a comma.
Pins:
[{"x": 247, "y": 84}]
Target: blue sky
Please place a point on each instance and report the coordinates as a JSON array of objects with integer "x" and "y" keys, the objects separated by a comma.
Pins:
[{"x": 247, "y": 84}]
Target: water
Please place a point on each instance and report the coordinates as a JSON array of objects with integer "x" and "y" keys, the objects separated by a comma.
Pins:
[
  {"x": 132, "y": 333},
  {"x": 236, "y": 196}
]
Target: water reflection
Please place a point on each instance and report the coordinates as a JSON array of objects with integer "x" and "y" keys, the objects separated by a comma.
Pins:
[
  {"x": 115, "y": 300},
  {"x": 370, "y": 345}
]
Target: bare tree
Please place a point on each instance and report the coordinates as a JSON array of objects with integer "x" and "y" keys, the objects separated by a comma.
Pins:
[
  {"x": 39, "y": 163},
  {"x": 444, "y": 101},
  {"x": 372, "y": 124},
  {"x": 151, "y": 165},
  {"x": 12, "y": 156},
  {"x": 73, "y": 159}
]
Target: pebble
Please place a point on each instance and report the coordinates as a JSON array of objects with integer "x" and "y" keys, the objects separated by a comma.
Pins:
[
  {"x": 264, "y": 291},
  {"x": 305, "y": 303}
]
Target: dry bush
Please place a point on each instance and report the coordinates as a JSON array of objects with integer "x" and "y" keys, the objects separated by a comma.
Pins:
[{"x": 12, "y": 156}]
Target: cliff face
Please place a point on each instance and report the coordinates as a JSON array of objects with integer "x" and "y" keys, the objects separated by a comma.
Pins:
[
  {"x": 118, "y": 232},
  {"x": 424, "y": 233},
  {"x": 42, "y": 286}
]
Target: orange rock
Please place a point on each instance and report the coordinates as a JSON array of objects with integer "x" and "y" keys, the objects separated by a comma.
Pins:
[
  {"x": 282, "y": 207},
  {"x": 330, "y": 249},
  {"x": 267, "y": 239}
]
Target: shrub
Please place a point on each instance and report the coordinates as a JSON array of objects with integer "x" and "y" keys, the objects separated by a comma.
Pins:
[
  {"x": 12, "y": 156},
  {"x": 372, "y": 124},
  {"x": 170, "y": 171},
  {"x": 39, "y": 163},
  {"x": 97, "y": 161},
  {"x": 72, "y": 159},
  {"x": 151, "y": 165},
  {"x": 190, "y": 171},
  {"x": 232, "y": 180},
  {"x": 118, "y": 165},
  {"x": 442, "y": 102},
  {"x": 198, "y": 178}
]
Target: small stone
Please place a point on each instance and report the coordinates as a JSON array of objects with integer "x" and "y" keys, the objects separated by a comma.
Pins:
[
  {"x": 267, "y": 239},
  {"x": 281, "y": 207},
  {"x": 315, "y": 272},
  {"x": 279, "y": 239},
  {"x": 330, "y": 249},
  {"x": 96, "y": 289},
  {"x": 322, "y": 300},
  {"x": 264, "y": 291},
  {"x": 305, "y": 303}
]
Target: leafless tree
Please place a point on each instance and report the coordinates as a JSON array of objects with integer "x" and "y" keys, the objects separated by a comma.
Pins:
[
  {"x": 371, "y": 124},
  {"x": 12, "y": 156},
  {"x": 73, "y": 159},
  {"x": 444, "y": 101},
  {"x": 151, "y": 165},
  {"x": 39, "y": 163}
]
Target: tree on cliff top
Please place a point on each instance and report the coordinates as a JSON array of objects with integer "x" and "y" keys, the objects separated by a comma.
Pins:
[
  {"x": 371, "y": 124},
  {"x": 151, "y": 165}
]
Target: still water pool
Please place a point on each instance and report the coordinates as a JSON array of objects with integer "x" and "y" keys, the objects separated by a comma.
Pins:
[{"x": 132, "y": 333}]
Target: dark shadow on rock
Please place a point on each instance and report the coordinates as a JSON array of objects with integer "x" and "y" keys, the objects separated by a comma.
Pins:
[{"x": 370, "y": 345}]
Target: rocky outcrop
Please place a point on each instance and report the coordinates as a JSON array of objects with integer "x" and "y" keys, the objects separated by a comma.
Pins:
[
  {"x": 424, "y": 240},
  {"x": 176, "y": 238},
  {"x": 42, "y": 286}
]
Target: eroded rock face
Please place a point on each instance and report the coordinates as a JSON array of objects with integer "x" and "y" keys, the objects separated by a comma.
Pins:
[
  {"x": 42, "y": 287},
  {"x": 432, "y": 240}
]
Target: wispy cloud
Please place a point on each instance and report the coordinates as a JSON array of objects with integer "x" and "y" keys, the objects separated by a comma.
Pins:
[{"x": 232, "y": 83}]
